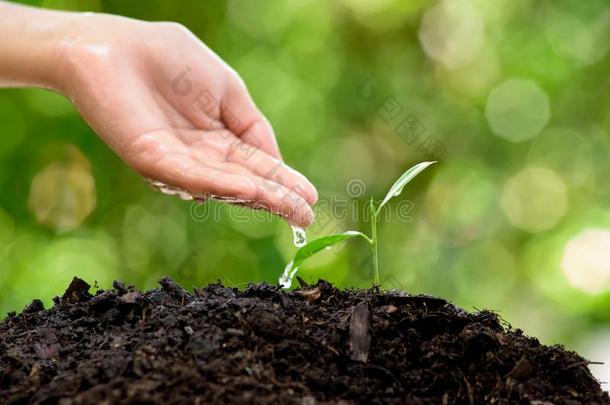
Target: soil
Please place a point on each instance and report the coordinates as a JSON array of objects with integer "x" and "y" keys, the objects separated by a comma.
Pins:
[{"x": 316, "y": 344}]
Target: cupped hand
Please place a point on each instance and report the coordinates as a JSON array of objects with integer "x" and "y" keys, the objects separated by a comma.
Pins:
[{"x": 176, "y": 113}]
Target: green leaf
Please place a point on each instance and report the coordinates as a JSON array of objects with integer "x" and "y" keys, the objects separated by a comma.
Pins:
[
  {"x": 400, "y": 184},
  {"x": 324, "y": 242},
  {"x": 311, "y": 249}
]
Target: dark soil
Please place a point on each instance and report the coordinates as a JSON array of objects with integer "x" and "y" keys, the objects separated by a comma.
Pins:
[{"x": 261, "y": 345}]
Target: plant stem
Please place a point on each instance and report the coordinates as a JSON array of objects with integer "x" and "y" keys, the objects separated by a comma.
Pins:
[{"x": 374, "y": 244}]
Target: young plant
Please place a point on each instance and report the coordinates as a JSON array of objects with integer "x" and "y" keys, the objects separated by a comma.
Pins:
[{"x": 326, "y": 242}]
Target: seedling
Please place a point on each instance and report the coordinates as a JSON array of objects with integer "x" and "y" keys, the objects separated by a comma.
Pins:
[{"x": 325, "y": 242}]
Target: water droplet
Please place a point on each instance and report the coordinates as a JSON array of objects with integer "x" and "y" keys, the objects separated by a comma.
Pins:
[
  {"x": 170, "y": 190},
  {"x": 285, "y": 280},
  {"x": 299, "y": 236},
  {"x": 327, "y": 247},
  {"x": 185, "y": 195}
]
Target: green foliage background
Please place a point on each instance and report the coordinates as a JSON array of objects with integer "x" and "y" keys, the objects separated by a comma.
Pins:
[{"x": 322, "y": 72}]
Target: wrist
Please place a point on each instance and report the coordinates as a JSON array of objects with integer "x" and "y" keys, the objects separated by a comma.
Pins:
[{"x": 31, "y": 44}]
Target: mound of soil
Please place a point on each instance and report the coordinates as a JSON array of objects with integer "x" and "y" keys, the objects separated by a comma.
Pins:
[{"x": 262, "y": 345}]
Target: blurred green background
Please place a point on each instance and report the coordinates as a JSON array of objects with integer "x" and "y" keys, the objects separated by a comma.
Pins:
[{"x": 511, "y": 96}]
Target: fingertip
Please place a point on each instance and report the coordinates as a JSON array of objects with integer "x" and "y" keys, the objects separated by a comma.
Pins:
[
  {"x": 298, "y": 212},
  {"x": 302, "y": 217}
]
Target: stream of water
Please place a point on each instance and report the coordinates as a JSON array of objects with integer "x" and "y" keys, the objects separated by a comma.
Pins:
[{"x": 299, "y": 238}]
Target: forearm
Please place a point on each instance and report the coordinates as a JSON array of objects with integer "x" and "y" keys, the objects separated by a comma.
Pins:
[{"x": 31, "y": 43}]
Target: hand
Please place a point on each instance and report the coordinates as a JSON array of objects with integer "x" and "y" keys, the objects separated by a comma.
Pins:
[{"x": 176, "y": 113}]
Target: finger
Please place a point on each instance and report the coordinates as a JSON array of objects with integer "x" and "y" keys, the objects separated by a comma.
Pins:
[
  {"x": 272, "y": 169},
  {"x": 238, "y": 152},
  {"x": 241, "y": 116},
  {"x": 186, "y": 173},
  {"x": 280, "y": 200}
]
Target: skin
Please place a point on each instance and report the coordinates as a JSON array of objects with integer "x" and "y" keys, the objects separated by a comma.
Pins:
[{"x": 161, "y": 99}]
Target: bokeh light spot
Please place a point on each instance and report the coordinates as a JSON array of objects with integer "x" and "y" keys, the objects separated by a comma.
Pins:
[
  {"x": 535, "y": 199},
  {"x": 452, "y": 33},
  {"x": 517, "y": 110},
  {"x": 475, "y": 78},
  {"x": 586, "y": 261},
  {"x": 63, "y": 195}
]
